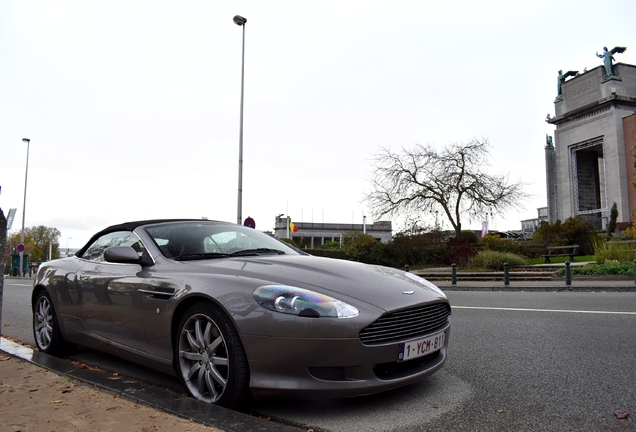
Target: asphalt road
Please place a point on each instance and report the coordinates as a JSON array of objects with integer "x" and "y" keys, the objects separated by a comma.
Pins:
[{"x": 553, "y": 361}]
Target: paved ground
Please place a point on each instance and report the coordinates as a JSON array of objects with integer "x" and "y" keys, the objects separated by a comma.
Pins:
[
  {"x": 46, "y": 393},
  {"x": 35, "y": 399}
]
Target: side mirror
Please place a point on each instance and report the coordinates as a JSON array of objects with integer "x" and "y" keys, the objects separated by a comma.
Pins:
[{"x": 122, "y": 255}]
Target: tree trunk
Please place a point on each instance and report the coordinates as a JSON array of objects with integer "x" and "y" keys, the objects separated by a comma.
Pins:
[{"x": 458, "y": 230}]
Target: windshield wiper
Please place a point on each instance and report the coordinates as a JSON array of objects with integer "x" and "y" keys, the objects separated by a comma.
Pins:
[
  {"x": 196, "y": 256},
  {"x": 257, "y": 251}
]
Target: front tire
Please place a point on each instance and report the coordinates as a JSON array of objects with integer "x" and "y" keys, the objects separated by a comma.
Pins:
[
  {"x": 46, "y": 328},
  {"x": 210, "y": 358}
]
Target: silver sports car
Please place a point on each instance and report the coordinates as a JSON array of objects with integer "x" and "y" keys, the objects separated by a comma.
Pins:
[{"x": 235, "y": 313}]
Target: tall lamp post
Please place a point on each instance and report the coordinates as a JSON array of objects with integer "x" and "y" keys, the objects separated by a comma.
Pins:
[
  {"x": 240, "y": 21},
  {"x": 26, "y": 175}
]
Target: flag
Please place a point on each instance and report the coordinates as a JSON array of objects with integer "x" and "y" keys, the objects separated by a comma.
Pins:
[
  {"x": 484, "y": 228},
  {"x": 292, "y": 227}
]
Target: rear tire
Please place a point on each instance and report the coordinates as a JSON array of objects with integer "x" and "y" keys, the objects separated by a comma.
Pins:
[
  {"x": 211, "y": 362},
  {"x": 46, "y": 328}
]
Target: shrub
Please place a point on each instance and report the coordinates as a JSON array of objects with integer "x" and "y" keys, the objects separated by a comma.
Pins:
[
  {"x": 469, "y": 236},
  {"x": 331, "y": 245},
  {"x": 494, "y": 242},
  {"x": 494, "y": 260},
  {"x": 614, "y": 251},
  {"x": 358, "y": 246},
  {"x": 457, "y": 251},
  {"x": 327, "y": 253},
  {"x": 412, "y": 249},
  {"x": 575, "y": 230},
  {"x": 630, "y": 232},
  {"x": 608, "y": 268},
  {"x": 611, "y": 227}
]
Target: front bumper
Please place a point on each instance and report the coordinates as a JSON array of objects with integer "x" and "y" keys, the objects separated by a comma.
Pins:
[{"x": 330, "y": 368}]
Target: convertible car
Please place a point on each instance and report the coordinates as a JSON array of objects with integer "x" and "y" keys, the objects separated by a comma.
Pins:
[{"x": 237, "y": 314}]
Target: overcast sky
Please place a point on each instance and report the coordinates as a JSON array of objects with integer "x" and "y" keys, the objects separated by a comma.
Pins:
[{"x": 132, "y": 107}]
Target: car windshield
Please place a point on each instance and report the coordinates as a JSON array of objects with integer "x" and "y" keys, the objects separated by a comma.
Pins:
[{"x": 205, "y": 240}]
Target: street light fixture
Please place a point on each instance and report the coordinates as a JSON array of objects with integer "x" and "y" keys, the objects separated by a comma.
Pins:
[
  {"x": 240, "y": 21},
  {"x": 26, "y": 174}
]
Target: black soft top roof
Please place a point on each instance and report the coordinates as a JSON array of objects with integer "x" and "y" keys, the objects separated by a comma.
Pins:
[{"x": 131, "y": 226}]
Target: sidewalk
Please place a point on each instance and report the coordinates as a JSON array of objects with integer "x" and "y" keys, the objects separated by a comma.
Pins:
[
  {"x": 41, "y": 392},
  {"x": 35, "y": 399}
]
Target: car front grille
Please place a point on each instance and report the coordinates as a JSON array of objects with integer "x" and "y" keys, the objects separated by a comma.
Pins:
[{"x": 406, "y": 324}]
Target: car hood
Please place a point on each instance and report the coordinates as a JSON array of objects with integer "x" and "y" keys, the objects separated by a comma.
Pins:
[{"x": 383, "y": 287}]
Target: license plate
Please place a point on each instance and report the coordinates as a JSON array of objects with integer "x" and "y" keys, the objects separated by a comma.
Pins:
[{"x": 421, "y": 347}]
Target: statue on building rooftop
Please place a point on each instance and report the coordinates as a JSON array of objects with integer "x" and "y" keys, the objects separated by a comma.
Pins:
[
  {"x": 561, "y": 79},
  {"x": 608, "y": 58},
  {"x": 548, "y": 141}
]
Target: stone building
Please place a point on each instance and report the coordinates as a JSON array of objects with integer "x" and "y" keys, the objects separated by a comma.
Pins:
[
  {"x": 590, "y": 165},
  {"x": 530, "y": 226},
  {"x": 314, "y": 235}
]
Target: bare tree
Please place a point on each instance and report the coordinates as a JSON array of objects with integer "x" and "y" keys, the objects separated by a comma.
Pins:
[{"x": 453, "y": 180}]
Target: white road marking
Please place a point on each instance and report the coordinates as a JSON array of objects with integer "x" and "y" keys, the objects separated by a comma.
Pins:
[{"x": 545, "y": 310}]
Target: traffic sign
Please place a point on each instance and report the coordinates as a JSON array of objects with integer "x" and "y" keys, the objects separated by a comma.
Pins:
[
  {"x": 249, "y": 222},
  {"x": 20, "y": 247}
]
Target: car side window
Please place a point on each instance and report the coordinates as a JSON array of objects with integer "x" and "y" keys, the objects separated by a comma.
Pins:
[{"x": 95, "y": 251}]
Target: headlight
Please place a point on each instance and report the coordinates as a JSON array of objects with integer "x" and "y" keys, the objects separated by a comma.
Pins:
[
  {"x": 302, "y": 302},
  {"x": 424, "y": 282}
]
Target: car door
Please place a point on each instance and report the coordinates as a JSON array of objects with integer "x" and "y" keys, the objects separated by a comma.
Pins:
[{"x": 110, "y": 292}]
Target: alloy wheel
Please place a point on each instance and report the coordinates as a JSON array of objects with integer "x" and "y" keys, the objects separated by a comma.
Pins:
[
  {"x": 203, "y": 358},
  {"x": 43, "y": 323}
]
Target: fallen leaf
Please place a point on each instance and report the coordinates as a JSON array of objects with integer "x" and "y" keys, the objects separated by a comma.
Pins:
[
  {"x": 56, "y": 401},
  {"x": 622, "y": 416},
  {"x": 499, "y": 411},
  {"x": 33, "y": 390}
]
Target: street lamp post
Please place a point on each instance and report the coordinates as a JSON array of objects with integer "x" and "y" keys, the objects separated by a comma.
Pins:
[
  {"x": 240, "y": 21},
  {"x": 26, "y": 175}
]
